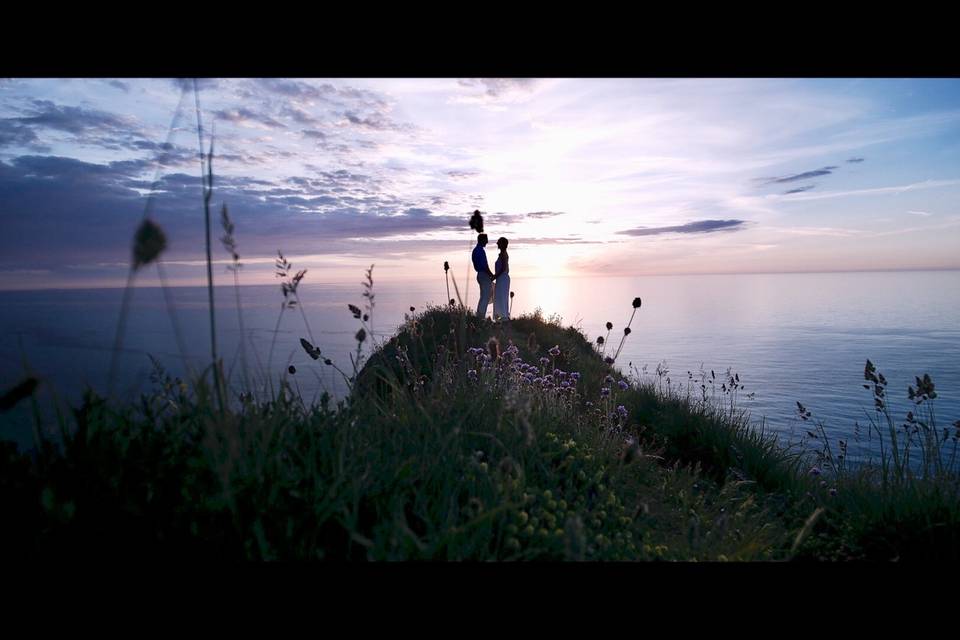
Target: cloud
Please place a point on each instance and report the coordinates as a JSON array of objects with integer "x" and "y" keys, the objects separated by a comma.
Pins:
[
  {"x": 117, "y": 84},
  {"x": 920, "y": 213},
  {"x": 700, "y": 226},
  {"x": 457, "y": 174},
  {"x": 927, "y": 184},
  {"x": 495, "y": 93},
  {"x": 300, "y": 116},
  {"x": 855, "y": 160},
  {"x": 16, "y": 134},
  {"x": 806, "y": 175},
  {"x": 76, "y": 120},
  {"x": 109, "y": 131},
  {"x": 375, "y": 121},
  {"x": 202, "y": 84},
  {"x": 498, "y": 87},
  {"x": 57, "y": 211},
  {"x": 567, "y": 240},
  {"x": 799, "y": 189},
  {"x": 543, "y": 214},
  {"x": 245, "y": 116},
  {"x": 305, "y": 91}
]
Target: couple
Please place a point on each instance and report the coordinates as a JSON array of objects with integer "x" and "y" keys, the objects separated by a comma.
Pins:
[{"x": 485, "y": 277}]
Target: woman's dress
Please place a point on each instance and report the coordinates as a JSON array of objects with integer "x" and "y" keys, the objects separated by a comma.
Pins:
[{"x": 501, "y": 288}]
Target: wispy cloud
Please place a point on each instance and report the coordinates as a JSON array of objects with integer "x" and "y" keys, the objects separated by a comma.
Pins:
[
  {"x": 700, "y": 226},
  {"x": 799, "y": 189},
  {"x": 806, "y": 175},
  {"x": 245, "y": 116},
  {"x": 926, "y": 184}
]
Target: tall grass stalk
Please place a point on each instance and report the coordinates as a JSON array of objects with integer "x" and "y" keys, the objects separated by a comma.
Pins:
[
  {"x": 206, "y": 176},
  {"x": 230, "y": 244}
]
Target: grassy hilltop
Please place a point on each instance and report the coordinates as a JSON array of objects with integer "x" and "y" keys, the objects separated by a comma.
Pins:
[{"x": 461, "y": 440}]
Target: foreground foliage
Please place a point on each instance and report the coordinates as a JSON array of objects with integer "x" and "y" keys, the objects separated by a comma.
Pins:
[{"x": 462, "y": 440}]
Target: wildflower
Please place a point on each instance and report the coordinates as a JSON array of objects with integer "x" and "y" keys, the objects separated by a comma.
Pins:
[
  {"x": 554, "y": 350},
  {"x": 446, "y": 267},
  {"x": 575, "y": 376},
  {"x": 608, "y": 379},
  {"x": 544, "y": 361},
  {"x": 815, "y": 471},
  {"x": 623, "y": 385},
  {"x": 589, "y": 404},
  {"x": 292, "y": 369},
  {"x": 622, "y": 411},
  {"x": 472, "y": 375},
  {"x": 600, "y": 340},
  {"x": 833, "y": 492},
  {"x": 636, "y": 303},
  {"x": 626, "y": 331},
  {"x": 609, "y": 326},
  {"x": 608, "y": 360},
  {"x": 604, "y": 392}
]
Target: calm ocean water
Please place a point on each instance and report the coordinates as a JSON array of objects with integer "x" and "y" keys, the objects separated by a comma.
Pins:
[{"x": 790, "y": 337}]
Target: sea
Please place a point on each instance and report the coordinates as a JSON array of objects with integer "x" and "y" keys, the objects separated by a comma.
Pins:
[{"x": 786, "y": 338}]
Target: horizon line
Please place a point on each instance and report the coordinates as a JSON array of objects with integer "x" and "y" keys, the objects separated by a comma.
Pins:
[{"x": 565, "y": 276}]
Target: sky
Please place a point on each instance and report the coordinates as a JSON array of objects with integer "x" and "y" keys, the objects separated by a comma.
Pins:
[{"x": 585, "y": 177}]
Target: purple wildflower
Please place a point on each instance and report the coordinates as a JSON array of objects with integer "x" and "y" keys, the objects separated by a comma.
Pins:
[
  {"x": 604, "y": 392},
  {"x": 623, "y": 385},
  {"x": 554, "y": 350}
]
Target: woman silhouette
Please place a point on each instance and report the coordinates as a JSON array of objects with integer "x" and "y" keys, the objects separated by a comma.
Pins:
[{"x": 501, "y": 290}]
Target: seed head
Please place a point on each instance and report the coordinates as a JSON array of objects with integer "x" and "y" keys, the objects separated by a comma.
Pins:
[{"x": 148, "y": 243}]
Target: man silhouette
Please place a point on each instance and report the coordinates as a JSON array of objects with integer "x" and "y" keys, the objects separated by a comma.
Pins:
[{"x": 484, "y": 275}]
